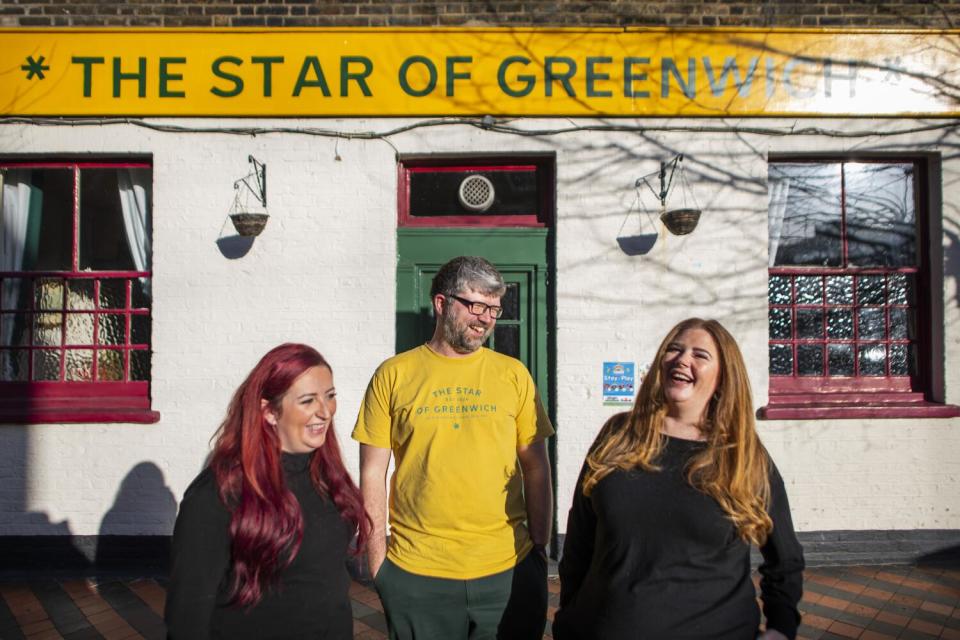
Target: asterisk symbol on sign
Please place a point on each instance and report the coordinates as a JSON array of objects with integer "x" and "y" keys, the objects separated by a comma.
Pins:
[{"x": 35, "y": 67}]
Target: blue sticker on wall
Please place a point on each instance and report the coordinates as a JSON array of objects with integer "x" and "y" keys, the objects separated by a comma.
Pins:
[{"x": 619, "y": 383}]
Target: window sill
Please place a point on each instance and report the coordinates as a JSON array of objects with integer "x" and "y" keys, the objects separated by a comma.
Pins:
[
  {"x": 832, "y": 410},
  {"x": 77, "y": 416},
  {"x": 76, "y": 402}
]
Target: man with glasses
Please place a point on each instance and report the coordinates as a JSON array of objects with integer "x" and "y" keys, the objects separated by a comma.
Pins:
[{"x": 470, "y": 500}]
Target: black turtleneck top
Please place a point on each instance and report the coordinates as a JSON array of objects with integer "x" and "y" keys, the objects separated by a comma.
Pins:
[
  {"x": 648, "y": 556},
  {"x": 311, "y": 600}
]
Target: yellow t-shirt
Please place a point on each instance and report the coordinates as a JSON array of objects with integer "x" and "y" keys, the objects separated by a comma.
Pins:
[{"x": 454, "y": 425}]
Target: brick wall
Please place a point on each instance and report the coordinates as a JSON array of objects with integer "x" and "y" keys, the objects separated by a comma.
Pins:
[{"x": 324, "y": 13}]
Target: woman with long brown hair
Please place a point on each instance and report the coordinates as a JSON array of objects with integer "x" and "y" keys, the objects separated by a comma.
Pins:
[
  {"x": 261, "y": 542},
  {"x": 670, "y": 499}
]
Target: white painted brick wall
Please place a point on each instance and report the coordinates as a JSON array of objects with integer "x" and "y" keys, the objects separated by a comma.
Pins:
[{"x": 323, "y": 273}]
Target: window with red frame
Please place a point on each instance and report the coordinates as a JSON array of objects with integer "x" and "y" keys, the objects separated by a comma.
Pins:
[
  {"x": 848, "y": 294},
  {"x": 489, "y": 192},
  {"x": 75, "y": 276}
]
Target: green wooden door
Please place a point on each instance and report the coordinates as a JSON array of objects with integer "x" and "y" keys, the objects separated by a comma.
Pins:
[
  {"x": 519, "y": 254},
  {"x": 523, "y": 331}
]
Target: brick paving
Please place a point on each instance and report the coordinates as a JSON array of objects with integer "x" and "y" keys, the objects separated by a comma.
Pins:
[{"x": 870, "y": 603}]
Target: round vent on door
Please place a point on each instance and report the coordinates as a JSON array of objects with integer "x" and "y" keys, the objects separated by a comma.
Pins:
[{"x": 476, "y": 193}]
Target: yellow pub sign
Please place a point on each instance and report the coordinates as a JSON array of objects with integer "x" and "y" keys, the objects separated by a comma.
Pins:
[{"x": 478, "y": 71}]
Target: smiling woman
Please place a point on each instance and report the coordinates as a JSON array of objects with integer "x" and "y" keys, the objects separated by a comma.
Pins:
[
  {"x": 267, "y": 526},
  {"x": 305, "y": 412},
  {"x": 689, "y": 371},
  {"x": 676, "y": 491}
]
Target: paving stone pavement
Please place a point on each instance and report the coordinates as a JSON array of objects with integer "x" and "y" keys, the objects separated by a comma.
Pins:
[{"x": 866, "y": 602}]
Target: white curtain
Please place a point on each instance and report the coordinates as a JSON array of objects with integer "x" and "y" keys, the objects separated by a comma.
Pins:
[
  {"x": 779, "y": 190},
  {"x": 13, "y": 241},
  {"x": 134, "y": 185}
]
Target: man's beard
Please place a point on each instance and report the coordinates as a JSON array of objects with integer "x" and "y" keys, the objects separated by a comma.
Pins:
[{"x": 460, "y": 337}]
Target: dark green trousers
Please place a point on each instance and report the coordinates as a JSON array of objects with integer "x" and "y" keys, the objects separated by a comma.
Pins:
[{"x": 511, "y": 605}]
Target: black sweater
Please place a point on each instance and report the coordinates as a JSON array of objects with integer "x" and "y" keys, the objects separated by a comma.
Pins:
[
  {"x": 648, "y": 556},
  {"x": 312, "y": 599}
]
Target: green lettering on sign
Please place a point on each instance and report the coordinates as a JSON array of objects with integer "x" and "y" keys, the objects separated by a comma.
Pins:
[{"x": 166, "y": 77}]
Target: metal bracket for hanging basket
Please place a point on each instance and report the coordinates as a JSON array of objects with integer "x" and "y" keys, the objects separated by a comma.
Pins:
[
  {"x": 681, "y": 221},
  {"x": 252, "y": 223}
]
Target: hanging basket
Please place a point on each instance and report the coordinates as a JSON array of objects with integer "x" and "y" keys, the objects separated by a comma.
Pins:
[
  {"x": 249, "y": 224},
  {"x": 637, "y": 245},
  {"x": 680, "y": 222}
]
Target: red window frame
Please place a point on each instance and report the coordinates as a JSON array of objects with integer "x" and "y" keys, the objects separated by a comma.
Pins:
[
  {"x": 540, "y": 165},
  {"x": 72, "y": 401},
  {"x": 868, "y": 396}
]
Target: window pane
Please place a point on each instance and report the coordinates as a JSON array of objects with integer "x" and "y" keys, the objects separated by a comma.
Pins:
[
  {"x": 870, "y": 324},
  {"x": 781, "y": 326},
  {"x": 840, "y": 289},
  {"x": 873, "y": 359},
  {"x": 881, "y": 217},
  {"x": 14, "y": 331},
  {"x": 110, "y": 365},
  {"x": 10, "y": 293},
  {"x": 506, "y": 339},
  {"x": 43, "y": 200},
  {"x": 139, "y": 329},
  {"x": 13, "y": 365},
  {"x": 80, "y": 294},
  {"x": 107, "y": 197},
  {"x": 436, "y": 193},
  {"x": 841, "y": 359},
  {"x": 900, "y": 289},
  {"x": 113, "y": 294},
  {"x": 781, "y": 360},
  {"x": 46, "y": 329},
  {"x": 810, "y": 359},
  {"x": 80, "y": 328},
  {"x": 900, "y": 326},
  {"x": 140, "y": 293},
  {"x": 809, "y": 323},
  {"x": 511, "y": 302},
  {"x": 48, "y": 293},
  {"x": 779, "y": 290},
  {"x": 79, "y": 367},
  {"x": 804, "y": 214},
  {"x": 809, "y": 290},
  {"x": 899, "y": 365},
  {"x": 46, "y": 365},
  {"x": 139, "y": 365},
  {"x": 840, "y": 324},
  {"x": 112, "y": 329},
  {"x": 870, "y": 290}
]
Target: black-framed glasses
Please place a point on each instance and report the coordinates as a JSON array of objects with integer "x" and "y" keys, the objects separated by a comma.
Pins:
[{"x": 479, "y": 308}]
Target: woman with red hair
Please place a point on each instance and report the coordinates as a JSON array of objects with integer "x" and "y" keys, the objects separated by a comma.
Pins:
[{"x": 261, "y": 541}]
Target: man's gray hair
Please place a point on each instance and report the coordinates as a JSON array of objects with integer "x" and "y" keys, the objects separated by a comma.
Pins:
[{"x": 468, "y": 272}]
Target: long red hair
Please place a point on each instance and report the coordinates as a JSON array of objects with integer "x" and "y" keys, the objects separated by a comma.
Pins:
[{"x": 266, "y": 526}]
